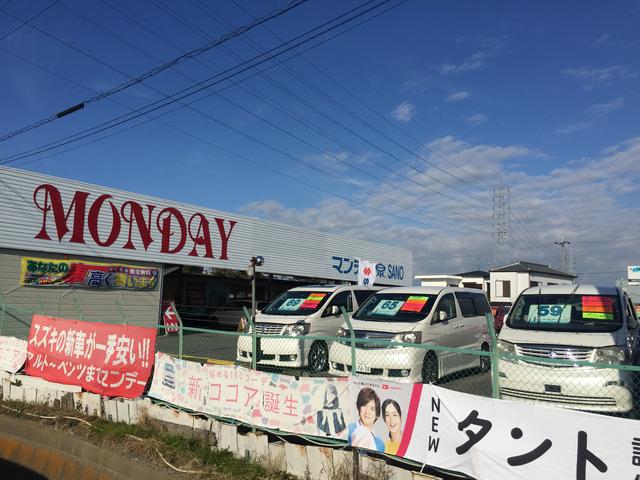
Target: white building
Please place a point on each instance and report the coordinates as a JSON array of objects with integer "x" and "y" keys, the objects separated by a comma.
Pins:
[
  {"x": 508, "y": 281},
  {"x": 475, "y": 279},
  {"x": 76, "y": 250}
]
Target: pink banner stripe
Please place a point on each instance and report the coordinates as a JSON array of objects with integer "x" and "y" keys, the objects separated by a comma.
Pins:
[{"x": 411, "y": 419}]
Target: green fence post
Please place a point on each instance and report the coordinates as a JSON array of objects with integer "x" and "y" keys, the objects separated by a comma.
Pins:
[
  {"x": 76, "y": 303},
  {"x": 353, "y": 339},
  {"x": 495, "y": 370},
  {"x": 43, "y": 309},
  {"x": 254, "y": 339},
  {"x": 122, "y": 312},
  {"x": 180, "y": 336},
  {"x": 4, "y": 306}
]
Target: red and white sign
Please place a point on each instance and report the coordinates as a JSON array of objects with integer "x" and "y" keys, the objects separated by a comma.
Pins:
[
  {"x": 113, "y": 360},
  {"x": 366, "y": 272},
  {"x": 170, "y": 320},
  {"x": 13, "y": 353}
]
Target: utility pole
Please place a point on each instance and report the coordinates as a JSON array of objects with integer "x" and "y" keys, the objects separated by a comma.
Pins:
[
  {"x": 566, "y": 264},
  {"x": 502, "y": 222}
]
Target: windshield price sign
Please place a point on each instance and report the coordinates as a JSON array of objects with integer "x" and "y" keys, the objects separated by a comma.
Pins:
[
  {"x": 387, "y": 307},
  {"x": 550, "y": 313}
]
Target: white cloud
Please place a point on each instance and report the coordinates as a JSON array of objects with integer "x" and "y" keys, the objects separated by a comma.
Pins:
[
  {"x": 602, "y": 109},
  {"x": 404, "y": 112},
  {"x": 474, "y": 62},
  {"x": 458, "y": 96},
  {"x": 574, "y": 127},
  {"x": 477, "y": 119},
  {"x": 593, "y": 113},
  {"x": 592, "y": 77},
  {"x": 584, "y": 200},
  {"x": 601, "y": 39}
]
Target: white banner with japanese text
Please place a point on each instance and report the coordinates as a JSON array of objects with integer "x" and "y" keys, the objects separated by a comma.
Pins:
[
  {"x": 13, "y": 353},
  {"x": 309, "y": 406},
  {"x": 488, "y": 438}
]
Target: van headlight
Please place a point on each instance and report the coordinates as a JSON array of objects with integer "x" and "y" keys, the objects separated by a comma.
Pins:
[
  {"x": 408, "y": 337},
  {"x": 610, "y": 355},
  {"x": 506, "y": 347},
  {"x": 296, "y": 329},
  {"x": 343, "y": 332}
]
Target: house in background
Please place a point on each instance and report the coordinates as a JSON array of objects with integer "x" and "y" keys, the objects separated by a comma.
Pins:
[
  {"x": 508, "y": 281},
  {"x": 476, "y": 279}
]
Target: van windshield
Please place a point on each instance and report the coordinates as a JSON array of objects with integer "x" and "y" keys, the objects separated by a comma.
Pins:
[
  {"x": 297, "y": 302},
  {"x": 566, "y": 313},
  {"x": 396, "y": 307}
]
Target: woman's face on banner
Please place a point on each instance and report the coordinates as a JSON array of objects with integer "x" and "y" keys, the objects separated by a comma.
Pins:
[
  {"x": 368, "y": 414},
  {"x": 392, "y": 418}
]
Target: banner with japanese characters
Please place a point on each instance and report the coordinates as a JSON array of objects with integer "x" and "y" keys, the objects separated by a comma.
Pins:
[
  {"x": 40, "y": 272},
  {"x": 13, "y": 353},
  {"x": 113, "y": 360},
  {"x": 309, "y": 406},
  {"x": 488, "y": 438}
]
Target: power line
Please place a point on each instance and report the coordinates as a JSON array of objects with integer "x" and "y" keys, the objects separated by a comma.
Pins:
[
  {"x": 176, "y": 16},
  {"x": 237, "y": 155},
  {"x": 155, "y": 71},
  {"x": 209, "y": 82},
  {"x": 23, "y": 22}
]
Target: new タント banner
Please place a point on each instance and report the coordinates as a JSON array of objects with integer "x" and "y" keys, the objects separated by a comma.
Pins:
[
  {"x": 113, "y": 360},
  {"x": 310, "y": 406},
  {"x": 41, "y": 272},
  {"x": 488, "y": 438}
]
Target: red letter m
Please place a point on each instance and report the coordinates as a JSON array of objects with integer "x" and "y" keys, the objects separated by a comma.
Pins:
[{"x": 52, "y": 201}]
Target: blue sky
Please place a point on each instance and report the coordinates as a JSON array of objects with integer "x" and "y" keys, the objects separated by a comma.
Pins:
[{"x": 402, "y": 125}]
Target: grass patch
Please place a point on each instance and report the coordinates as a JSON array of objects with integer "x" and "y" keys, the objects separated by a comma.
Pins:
[{"x": 142, "y": 440}]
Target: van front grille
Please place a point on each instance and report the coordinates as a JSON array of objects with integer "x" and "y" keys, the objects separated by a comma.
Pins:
[
  {"x": 269, "y": 328},
  {"x": 559, "y": 352}
]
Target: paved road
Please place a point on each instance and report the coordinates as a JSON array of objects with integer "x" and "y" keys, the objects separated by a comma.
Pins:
[{"x": 221, "y": 348}]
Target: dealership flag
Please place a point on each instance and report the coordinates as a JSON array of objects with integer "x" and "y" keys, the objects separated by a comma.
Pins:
[{"x": 366, "y": 273}]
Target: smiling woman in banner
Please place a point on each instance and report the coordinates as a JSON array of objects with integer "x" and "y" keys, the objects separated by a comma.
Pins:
[
  {"x": 392, "y": 416},
  {"x": 361, "y": 432}
]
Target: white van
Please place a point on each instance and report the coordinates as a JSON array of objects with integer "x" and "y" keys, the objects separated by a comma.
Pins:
[
  {"x": 312, "y": 310},
  {"x": 447, "y": 317},
  {"x": 570, "y": 322}
]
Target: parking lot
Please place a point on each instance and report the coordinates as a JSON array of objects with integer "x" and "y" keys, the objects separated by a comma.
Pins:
[{"x": 220, "y": 347}]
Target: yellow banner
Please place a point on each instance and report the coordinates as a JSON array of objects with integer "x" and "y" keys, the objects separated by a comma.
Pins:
[{"x": 42, "y": 272}]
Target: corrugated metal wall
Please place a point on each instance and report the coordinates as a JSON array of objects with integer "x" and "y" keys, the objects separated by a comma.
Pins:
[
  {"x": 287, "y": 250},
  {"x": 103, "y": 305}
]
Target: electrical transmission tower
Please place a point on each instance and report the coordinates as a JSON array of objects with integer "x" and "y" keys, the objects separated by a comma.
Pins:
[
  {"x": 566, "y": 262},
  {"x": 502, "y": 222}
]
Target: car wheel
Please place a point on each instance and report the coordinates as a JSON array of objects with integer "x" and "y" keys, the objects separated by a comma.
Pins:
[
  {"x": 430, "y": 368},
  {"x": 318, "y": 357},
  {"x": 485, "y": 361}
]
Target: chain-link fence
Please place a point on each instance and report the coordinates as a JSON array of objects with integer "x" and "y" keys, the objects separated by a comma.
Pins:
[{"x": 591, "y": 379}]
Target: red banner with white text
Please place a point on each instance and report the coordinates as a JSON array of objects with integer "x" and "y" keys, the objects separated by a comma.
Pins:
[{"x": 113, "y": 360}]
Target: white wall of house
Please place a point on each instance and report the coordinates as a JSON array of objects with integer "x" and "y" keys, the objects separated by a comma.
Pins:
[
  {"x": 477, "y": 280},
  {"x": 439, "y": 280},
  {"x": 502, "y": 292}
]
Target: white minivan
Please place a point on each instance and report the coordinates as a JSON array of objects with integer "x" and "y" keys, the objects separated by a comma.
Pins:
[
  {"x": 313, "y": 310},
  {"x": 444, "y": 317},
  {"x": 570, "y": 322}
]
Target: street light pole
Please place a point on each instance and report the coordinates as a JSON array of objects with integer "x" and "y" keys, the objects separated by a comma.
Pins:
[{"x": 256, "y": 261}]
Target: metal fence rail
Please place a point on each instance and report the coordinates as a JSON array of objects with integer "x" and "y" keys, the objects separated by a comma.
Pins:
[{"x": 566, "y": 377}]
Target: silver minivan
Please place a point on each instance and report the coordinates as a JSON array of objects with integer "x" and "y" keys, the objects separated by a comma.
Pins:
[
  {"x": 445, "y": 317},
  {"x": 313, "y": 310},
  {"x": 574, "y": 323}
]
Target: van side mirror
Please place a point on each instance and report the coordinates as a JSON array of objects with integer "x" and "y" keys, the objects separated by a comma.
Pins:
[
  {"x": 442, "y": 315},
  {"x": 334, "y": 310}
]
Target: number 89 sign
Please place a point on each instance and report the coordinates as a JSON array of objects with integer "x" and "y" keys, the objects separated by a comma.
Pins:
[{"x": 387, "y": 307}]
